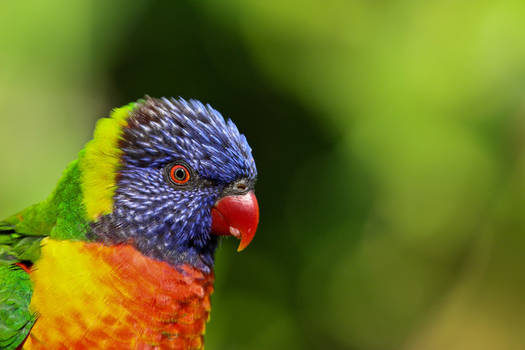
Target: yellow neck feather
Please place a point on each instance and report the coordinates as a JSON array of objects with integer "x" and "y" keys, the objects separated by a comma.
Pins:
[{"x": 99, "y": 163}]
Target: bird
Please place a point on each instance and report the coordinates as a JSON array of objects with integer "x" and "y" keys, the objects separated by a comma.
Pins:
[{"x": 121, "y": 254}]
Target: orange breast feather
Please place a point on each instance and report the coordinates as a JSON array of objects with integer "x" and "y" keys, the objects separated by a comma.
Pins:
[{"x": 91, "y": 296}]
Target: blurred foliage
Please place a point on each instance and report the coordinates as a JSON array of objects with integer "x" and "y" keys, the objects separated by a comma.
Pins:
[{"x": 388, "y": 137}]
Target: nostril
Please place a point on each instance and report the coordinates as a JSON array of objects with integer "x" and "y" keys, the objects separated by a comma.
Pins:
[{"x": 241, "y": 186}]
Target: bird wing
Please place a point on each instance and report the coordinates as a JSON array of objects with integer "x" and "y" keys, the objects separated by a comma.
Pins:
[
  {"x": 17, "y": 246},
  {"x": 18, "y": 250},
  {"x": 15, "y": 296}
]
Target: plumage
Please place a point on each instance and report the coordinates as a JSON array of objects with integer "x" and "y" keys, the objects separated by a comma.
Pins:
[{"x": 121, "y": 255}]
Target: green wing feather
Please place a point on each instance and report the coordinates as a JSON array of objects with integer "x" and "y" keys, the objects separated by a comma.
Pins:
[
  {"x": 18, "y": 246},
  {"x": 15, "y": 296},
  {"x": 15, "y": 286}
]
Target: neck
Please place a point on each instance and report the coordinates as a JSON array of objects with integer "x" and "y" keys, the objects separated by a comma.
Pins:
[
  {"x": 112, "y": 231},
  {"x": 62, "y": 215}
]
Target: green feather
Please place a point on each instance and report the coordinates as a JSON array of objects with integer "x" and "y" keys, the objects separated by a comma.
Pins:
[
  {"x": 15, "y": 296},
  {"x": 61, "y": 216}
]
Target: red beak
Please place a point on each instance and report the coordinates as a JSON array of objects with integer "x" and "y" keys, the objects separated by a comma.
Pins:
[{"x": 236, "y": 215}]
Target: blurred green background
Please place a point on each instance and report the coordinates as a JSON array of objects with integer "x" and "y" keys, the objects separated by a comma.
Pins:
[{"x": 389, "y": 138}]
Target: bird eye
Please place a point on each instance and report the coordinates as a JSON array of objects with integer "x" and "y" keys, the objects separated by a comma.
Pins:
[{"x": 179, "y": 174}]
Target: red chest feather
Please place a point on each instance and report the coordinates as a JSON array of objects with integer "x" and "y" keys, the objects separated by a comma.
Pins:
[{"x": 91, "y": 296}]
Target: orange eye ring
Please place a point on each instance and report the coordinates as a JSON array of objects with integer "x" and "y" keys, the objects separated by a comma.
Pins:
[{"x": 179, "y": 174}]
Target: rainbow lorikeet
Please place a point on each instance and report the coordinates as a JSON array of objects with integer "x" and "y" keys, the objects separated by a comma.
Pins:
[{"x": 121, "y": 255}]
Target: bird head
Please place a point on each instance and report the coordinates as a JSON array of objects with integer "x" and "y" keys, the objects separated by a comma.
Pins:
[{"x": 169, "y": 176}]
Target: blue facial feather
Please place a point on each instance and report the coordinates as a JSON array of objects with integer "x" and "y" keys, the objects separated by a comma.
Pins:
[{"x": 162, "y": 219}]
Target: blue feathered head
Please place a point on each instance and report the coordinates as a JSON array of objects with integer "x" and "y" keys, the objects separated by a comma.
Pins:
[{"x": 186, "y": 175}]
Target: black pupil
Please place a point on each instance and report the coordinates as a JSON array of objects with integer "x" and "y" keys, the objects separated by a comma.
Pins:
[{"x": 180, "y": 174}]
